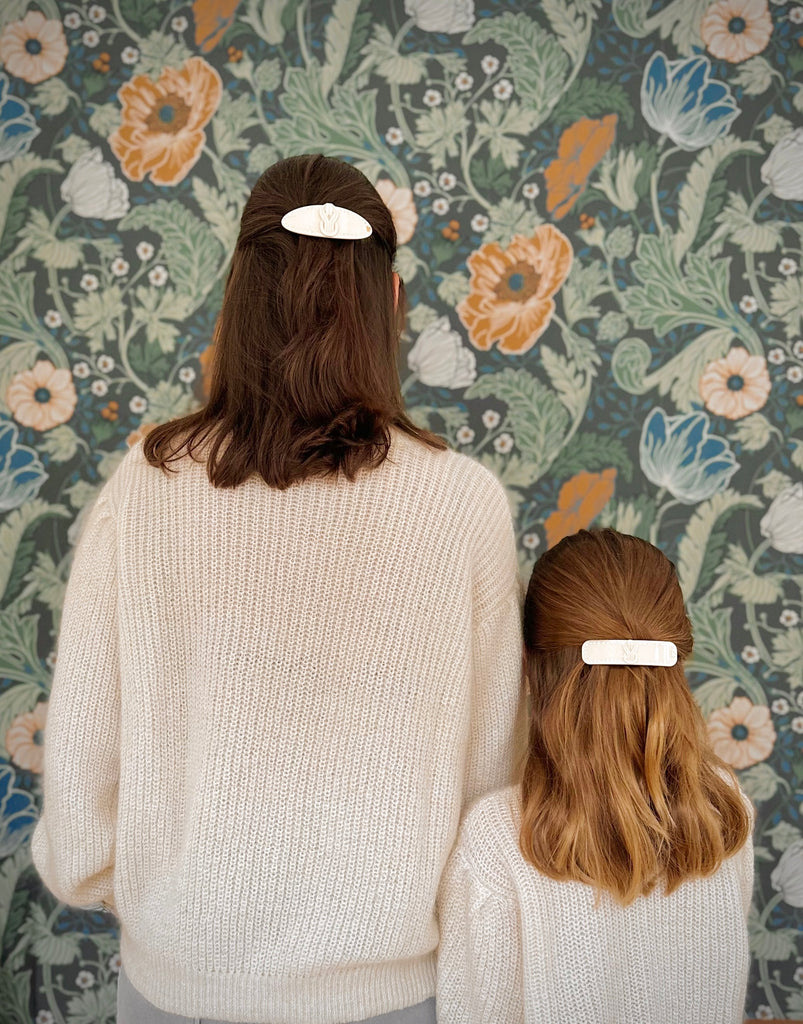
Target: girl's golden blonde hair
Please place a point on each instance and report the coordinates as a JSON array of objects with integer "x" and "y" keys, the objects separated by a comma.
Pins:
[{"x": 620, "y": 789}]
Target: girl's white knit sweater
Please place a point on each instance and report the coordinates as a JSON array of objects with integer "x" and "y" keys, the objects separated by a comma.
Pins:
[
  {"x": 269, "y": 711},
  {"x": 519, "y": 947}
]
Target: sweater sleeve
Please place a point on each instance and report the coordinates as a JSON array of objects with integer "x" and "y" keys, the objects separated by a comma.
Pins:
[
  {"x": 74, "y": 841},
  {"x": 479, "y": 975},
  {"x": 497, "y": 718}
]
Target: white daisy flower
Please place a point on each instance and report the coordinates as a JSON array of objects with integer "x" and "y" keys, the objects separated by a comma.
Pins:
[
  {"x": 89, "y": 283},
  {"x": 503, "y": 444},
  {"x": 179, "y": 23},
  {"x": 394, "y": 136},
  {"x": 85, "y": 979},
  {"x": 491, "y": 419},
  {"x": 787, "y": 266},
  {"x": 479, "y": 222},
  {"x": 503, "y": 89},
  {"x": 115, "y": 963},
  {"x": 432, "y": 98},
  {"x": 144, "y": 251},
  {"x": 797, "y": 348},
  {"x": 797, "y": 723},
  {"x": 780, "y": 706},
  {"x": 157, "y": 275},
  {"x": 90, "y": 38},
  {"x": 447, "y": 181},
  {"x": 465, "y": 435},
  {"x": 796, "y": 17},
  {"x": 794, "y": 374},
  {"x": 489, "y": 64},
  {"x": 129, "y": 55},
  {"x": 96, "y": 13},
  {"x": 72, "y": 20},
  {"x": 119, "y": 267},
  {"x": 81, "y": 370},
  {"x": 776, "y": 356},
  {"x": 138, "y": 404},
  {"x": 186, "y": 375},
  {"x": 797, "y": 977},
  {"x": 763, "y": 1012},
  {"x": 440, "y": 206},
  {"x": 748, "y": 304},
  {"x": 789, "y": 617},
  {"x": 45, "y": 1016},
  {"x": 105, "y": 363},
  {"x": 750, "y": 654},
  {"x": 50, "y": 660},
  {"x": 99, "y": 388},
  {"x": 422, "y": 188},
  {"x": 531, "y": 541},
  {"x": 52, "y": 318},
  {"x": 463, "y": 82},
  {"x": 530, "y": 190}
]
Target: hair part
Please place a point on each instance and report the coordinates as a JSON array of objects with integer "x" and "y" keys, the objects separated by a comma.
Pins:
[
  {"x": 304, "y": 378},
  {"x": 621, "y": 790}
]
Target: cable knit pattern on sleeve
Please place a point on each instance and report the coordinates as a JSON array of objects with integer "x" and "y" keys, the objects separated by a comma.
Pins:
[
  {"x": 268, "y": 709},
  {"x": 677, "y": 959}
]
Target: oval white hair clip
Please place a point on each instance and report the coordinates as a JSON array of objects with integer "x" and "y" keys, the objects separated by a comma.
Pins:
[
  {"x": 630, "y": 652},
  {"x": 326, "y": 221}
]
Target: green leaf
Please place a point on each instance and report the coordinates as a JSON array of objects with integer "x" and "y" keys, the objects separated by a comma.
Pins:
[
  {"x": 490, "y": 175},
  {"x": 268, "y": 75},
  {"x": 437, "y": 131},
  {"x": 627, "y": 515},
  {"x": 753, "y": 432},
  {"x": 744, "y": 231},
  {"x": 754, "y": 76},
  {"x": 55, "y": 253},
  {"x": 745, "y": 583},
  {"x": 585, "y": 283},
  {"x": 760, "y": 781},
  {"x": 537, "y": 62},
  {"x": 692, "y": 196},
  {"x": 15, "y": 176},
  {"x": 590, "y": 97},
  {"x": 96, "y": 315},
  {"x": 159, "y": 50},
  {"x": 787, "y": 654},
  {"x": 10, "y": 870},
  {"x": 782, "y": 835},
  {"x": 359, "y": 36},
  {"x": 97, "y": 1005},
  {"x": 221, "y": 215},
  {"x": 694, "y": 542},
  {"x": 189, "y": 247},
  {"x": 631, "y": 17},
  {"x": 15, "y": 525},
  {"x": 592, "y": 452},
  {"x": 713, "y": 654},
  {"x": 571, "y": 385},
  {"x": 396, "y": 68},
  {"x": 55, "y": 950},
  {"x": 500, "y": 121},
  {"x": 48, "y": 581},
  {"x": 452, "y": 288},
  {"x": 15, "y": 991},
  {"x": 166, "y": 401},
  {"x": 573, "y": 31},
  {"x": 713, "y": 694},
  {"x": 105, "y": 119},
  {"x": 19, "y": 657},
  {"x": 786, "y": 303},
  {"x": 780, "y": 944},
  {"x": 145, "y": 14},
  {"x": 511, "y": 217},
  {"x": 60, "y": 443},
  {"x": 233, "y": 118},
  {"x": 537, "y": 418}
]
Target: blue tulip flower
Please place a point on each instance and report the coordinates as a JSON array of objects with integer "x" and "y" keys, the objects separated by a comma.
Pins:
[
  {"x": 678, "y": 99},
  {"x": 18, "y": 813},
  {"x": 17, "y": 124},
  {"x": 678, "y": 453},
  {"x": 21, "y": 472}
]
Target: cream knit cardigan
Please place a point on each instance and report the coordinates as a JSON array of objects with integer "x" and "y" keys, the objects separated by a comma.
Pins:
[
  {"x": 519, "y": 947},
  {"x": 269, "y": 711}
]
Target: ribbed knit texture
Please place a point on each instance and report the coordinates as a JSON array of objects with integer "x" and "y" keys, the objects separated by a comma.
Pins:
[
  {"x": 517, "y": 946},
  {"x": 269, "y": 711}
]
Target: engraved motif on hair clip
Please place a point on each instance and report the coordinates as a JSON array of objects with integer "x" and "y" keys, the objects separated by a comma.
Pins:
[{"x": 326, "y": 221}]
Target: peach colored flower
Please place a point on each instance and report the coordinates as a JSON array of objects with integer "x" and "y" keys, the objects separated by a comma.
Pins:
[
  {"x": 582, "y": 145},
  {"x": 33, "y": 49},
  {"x": 162, "y": 131},
  {"x": 741, "y": 734},
  {"x": 401, "y": 204},
  {"x": 42, "y": 397},
  {"x": 736, "y": 29},
  {"x": 580, "y": 501},
  {"x": 25, "y": 738},
  {"x": 736, "y": 385},
  {"x": 510, "y": 301}
]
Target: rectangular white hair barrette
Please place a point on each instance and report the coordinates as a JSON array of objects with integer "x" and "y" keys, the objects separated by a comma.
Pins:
[
  {"x": 630, "y": 652},
  {"x": 326, "y": 221}
]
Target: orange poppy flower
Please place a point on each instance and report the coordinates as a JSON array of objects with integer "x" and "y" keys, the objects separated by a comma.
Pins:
[
  {"x": 25, "y": 738},
  {"x": 510, "y": 301},
  {"x": 212, "y": 18},
  {"x": 581, "y": 147},
  {"x": 162, "y": 133},
  {"x": 580, "y": 501}
]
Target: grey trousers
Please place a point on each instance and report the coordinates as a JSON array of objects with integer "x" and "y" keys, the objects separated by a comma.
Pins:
[{"x": 132, "y": 1008}]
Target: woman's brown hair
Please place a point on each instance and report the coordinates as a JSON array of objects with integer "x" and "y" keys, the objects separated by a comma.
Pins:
[
  {"x": 304, "y": 379},
  {"x": 620, "y": 790}
]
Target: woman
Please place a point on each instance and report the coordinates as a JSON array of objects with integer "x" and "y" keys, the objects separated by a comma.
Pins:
[
  {"x": 614, "y": 883},
  {"x": 289, "y": 653}
]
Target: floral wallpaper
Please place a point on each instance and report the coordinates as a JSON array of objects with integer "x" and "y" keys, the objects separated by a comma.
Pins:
[{"x": 600, "y": 206}]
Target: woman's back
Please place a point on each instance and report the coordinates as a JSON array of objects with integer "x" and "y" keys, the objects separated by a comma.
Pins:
[
  {"x": 311, "y": 682},
  {"x": 680, "y": 958}
]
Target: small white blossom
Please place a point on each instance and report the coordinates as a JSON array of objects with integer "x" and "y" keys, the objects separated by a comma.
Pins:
[
  {"x": 440, "y": 206},
  {"x": 45, "y": 1016},
  {"x": 447, "y": 181},
  {"x": 99, "y": 388},
  {"x": 422, "y": 188},
  {"x": 115, "y": 963},
  {"x": 179, "y": 23},
  {"x": 52, "y": 318},
  {"x": 780, "y": 706},
  {"x": 491, "y": 419},
  {"x": 797, "y": 977},
  {"x": 503, "y": 444},
  {"x": 748, "y": 304},
  {"x": 129, "y": 55},
  {"x": 96, "y": 14},
  {"x": 119, "y": 267},
  {"x": 789, "y": 617},
  {"x": 787, "y": 266},
  {"x": 531, "y": 541},
  {"x": 144, "y": 251},
  {"x": 465, "y": 435},
  {"x": 750, "y": 654},
  {"x": 50, "y": 660},
  {"x": 479, "y": 222},
  {"x": 72, "y": 20},
  {"x": 89, "y": 282},
  {"x": 90, "y": 38},
  {"x": 489, "y": 64},
  {"x": 797, "y": 723},
  {"x": 85, "y": 979},
  {"x": 763, "y": 1012},
  {"x": 503, "y": 89},
  {"x": 432, "y": 98},
  {"x": 186, "y": 375},
  {"x": 530, "y": 190},
  {"x": 138, "y": 404},
  {"x": 776, "y": 356},
  {"x": 796, "y": 17},
  {"x": 81, "y": 370},
  {"x": 794, "y": 374},
  {"x": 797, "y": 348},
  {"x": 394, "y": 136},
  {"x": 463, "y": 82},
  {"x": 158, "y": 275},
  {"x": 105, "y": 363}
]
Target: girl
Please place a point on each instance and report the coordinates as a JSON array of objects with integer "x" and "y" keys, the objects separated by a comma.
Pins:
[
  {"x": 289, "y": 655},
  {"x": 613, "y": 885}
]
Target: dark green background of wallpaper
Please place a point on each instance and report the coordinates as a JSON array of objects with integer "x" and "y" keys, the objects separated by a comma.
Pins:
[{"x": 601, "y": 211}]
